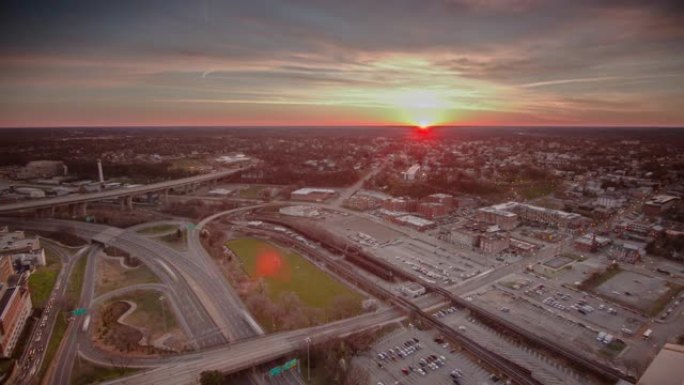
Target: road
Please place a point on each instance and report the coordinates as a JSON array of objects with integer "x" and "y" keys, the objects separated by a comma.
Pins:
[
  {"x": 110, "y": 194},
  {"x": 254, "y": 351},
  {"x": 35, "y": 350},
  {"x": 60, "y": 372},
  {"x": 351, "y": 190}
]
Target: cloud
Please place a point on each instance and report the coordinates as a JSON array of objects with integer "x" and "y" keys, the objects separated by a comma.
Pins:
[{"x": 502, "y": 58}]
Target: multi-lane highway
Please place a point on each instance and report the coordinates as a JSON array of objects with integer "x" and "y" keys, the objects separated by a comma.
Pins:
[
  {"x": 204, "y": 331},
  {"x": 35, "y": 350},
  {"x": 111, "y": 194}
]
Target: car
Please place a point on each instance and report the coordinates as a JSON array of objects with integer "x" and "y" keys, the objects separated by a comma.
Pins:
[
  {"x": 422, "y": 372},
  {"x": 405, "y": 371}
]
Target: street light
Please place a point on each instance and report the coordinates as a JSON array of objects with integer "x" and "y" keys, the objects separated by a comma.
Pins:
[{"x": 308, "y": 360}]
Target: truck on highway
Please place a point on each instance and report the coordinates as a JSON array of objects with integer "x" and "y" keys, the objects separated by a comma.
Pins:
[{"x": 86, "y": 323}]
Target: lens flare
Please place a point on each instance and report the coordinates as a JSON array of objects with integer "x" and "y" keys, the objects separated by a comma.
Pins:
[{"x": 271, "y": 264}]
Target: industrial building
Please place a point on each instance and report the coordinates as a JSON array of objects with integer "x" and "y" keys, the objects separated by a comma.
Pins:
[
  {"x": 42, "y": 169},
  {"x": 659, "y": 204},
  {"x": 312, "y": 194}
]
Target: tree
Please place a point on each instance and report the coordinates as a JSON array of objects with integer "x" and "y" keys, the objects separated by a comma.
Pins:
[{"x": 211, "y": 377}]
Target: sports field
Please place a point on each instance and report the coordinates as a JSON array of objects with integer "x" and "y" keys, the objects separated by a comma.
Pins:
[{"x": 285, "y": 271}]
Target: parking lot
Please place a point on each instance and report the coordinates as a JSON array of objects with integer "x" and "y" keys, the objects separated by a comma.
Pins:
[
  {"x": 411, "y": 356},
  {"x": 635, "y": 289},
  {"x": 543, "y": 368}
]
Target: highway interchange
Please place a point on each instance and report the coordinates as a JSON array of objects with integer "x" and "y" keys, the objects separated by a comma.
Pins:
[{"x": 210, "y": 311}]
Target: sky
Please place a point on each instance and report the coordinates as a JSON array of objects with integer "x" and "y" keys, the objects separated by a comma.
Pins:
[{"x": 343, "y": 62}]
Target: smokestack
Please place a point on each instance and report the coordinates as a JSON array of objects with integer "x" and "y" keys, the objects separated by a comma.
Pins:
[{"x": 99, "y": 170}]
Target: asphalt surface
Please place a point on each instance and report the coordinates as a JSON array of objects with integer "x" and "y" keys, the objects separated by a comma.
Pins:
[
  {"x": 34, "y": 353},
  {"x": 109, "y": 194}
]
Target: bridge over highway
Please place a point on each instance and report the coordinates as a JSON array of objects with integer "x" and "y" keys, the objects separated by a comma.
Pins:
[{"x": 78, "y": 202}]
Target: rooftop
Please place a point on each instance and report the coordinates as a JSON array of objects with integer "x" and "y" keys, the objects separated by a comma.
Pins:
[
  {"x": 313, "y": 190},
  {"x": 667, "y": 368}
]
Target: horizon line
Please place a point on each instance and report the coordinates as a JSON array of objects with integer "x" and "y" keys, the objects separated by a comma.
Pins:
[{"x": 152, "y": 126}]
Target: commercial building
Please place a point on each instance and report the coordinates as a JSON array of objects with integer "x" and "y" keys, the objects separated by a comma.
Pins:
[
  {"x": 415, "y": 222},
  {"x": 21, "y": 250},
  {"x": 15, "y": 308},
  {"x": 626, "y": 252},
  {"x": 504, "y": 219},
  {"x": 522, "y": 247},
  {"x": 462, "y": 236},
  {"x": 362, "y": 202},
  {"x": 399, "y": 204},
  {"x": 312, "y": 194},
  {"x": 591, "y": 242},
  {"x": 529, "y": 213},
  {"x": 446, "y": 199},
  {"x": 609, "y": 201},
  {"x": 494, "y": 243},
  {"x": 432, "y": 210},
  {"x": 412, "y": 174},
  {"x": 659, "y": 204},
  {"x": 667, "y": 368}
]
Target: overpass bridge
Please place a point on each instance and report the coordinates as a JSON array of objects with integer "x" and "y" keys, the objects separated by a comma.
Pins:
[{"x": 78, "y": 203}]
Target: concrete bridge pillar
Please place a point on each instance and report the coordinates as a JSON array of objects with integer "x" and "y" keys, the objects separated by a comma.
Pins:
[
  {"x": 78, "y": 209},
  {"x": 126, "y": 202}
]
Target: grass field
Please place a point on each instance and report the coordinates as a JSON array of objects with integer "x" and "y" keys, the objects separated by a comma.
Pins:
[
  {"x": 43, "y": 280},
  {"x": 251, "y": 192},
  {"x": 86, "y": 372},
  {"x": 111, "y": 275},
  {"x": 151, "y": 313},
  {"x": 289, "y": 272},
  {"x": 73, "y": 291},
  {"x": 55, "y": 340},
  {"x": 186, "y": 164}
]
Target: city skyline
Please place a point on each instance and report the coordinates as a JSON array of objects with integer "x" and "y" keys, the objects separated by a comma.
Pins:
[{"x": 426, "y": 63}]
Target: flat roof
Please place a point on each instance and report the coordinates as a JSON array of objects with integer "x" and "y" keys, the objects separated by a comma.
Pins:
[
  {"x": 667, "y": 368},
  {"x": 414, "y": 220},
  {"x": 311, "y": 190}
]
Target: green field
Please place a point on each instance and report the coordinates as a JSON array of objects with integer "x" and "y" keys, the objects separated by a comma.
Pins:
[
  {"x": 152, "y": 312},
  {"x": 73, "y": 291},
  {"x": 313, "y": 286},
  {"x": 111, "y": 276},
  {"x": 43, "y": 279},
  {"x": 55, "y": 340},
  {"x": 251, "y": 192}
]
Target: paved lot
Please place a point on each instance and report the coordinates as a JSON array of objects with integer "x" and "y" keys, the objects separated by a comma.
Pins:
[
  {"x": 391, "y": 370},
  {"x": 635, "y": 289}
]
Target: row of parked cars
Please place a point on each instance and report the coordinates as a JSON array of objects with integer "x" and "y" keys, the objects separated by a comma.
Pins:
[
  {"x": 444, "y": 312},
  {"x": 428, "y": 362},
  {"x": 409, "y": 347}
]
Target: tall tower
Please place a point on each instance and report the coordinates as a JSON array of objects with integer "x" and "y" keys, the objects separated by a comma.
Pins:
[{"x": 99, "y": 171}]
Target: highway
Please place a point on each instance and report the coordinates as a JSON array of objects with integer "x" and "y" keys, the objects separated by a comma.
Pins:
[
  {"x": 32, "y": 362},
  {"x": 183, "y": 370},
  {"x": 61, "y": 368},
  {"x": 110, "y": 194},
  {"x": 204, "y": 332}
]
